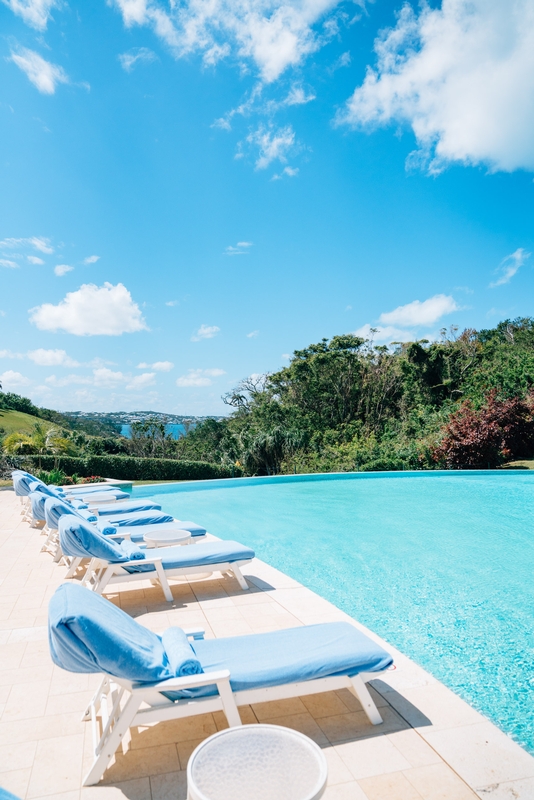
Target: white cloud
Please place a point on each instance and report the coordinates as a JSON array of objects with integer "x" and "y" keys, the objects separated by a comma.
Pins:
[
  {"x": 199, "y": 377},
  {"x": 136, "y": 55},
  {"x": 67, "y": 380},
  {"x": 462, "y": 76},
  {"x": 297, "y": 96},
  {"x": 141, "y": 381},
  {"x": 40, "y": 72},
  {"x": 91, "y": 259},
  {"x": 291, "y": 172},
  {"x": 253, "y": 334},
  {"x": 420, "y": 313},
  {"x": 509, "y": 266},
  {"x": 106, "y": 377},
  {"x": 13, "y": 380},
  {"x": 35, "y": 260},
  {"x": 52, "y": 358},
  {"x": 40, "y": 243},
  {"x": 388, "y": 333},
  {"x": 35, "y": 13},
  {"x": 5, "y": 262},
  {"x": 240, "y": 249},
  {"x": 158, "y": 366},
  {"x": 171, "y": 303},
  {"x": 286, "y": 357},
  {"x": 273, "y": 35},
  {"x": 92, "y": 311},
  {"x": 273, "y": 144},
  {"x": 205, "y": 332},
  {"x": 62, "y": 269},
  {"x": 10, "y": 354}
]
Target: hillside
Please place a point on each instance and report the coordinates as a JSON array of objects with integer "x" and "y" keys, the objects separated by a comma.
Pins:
[{"x": 17, "y": 421}]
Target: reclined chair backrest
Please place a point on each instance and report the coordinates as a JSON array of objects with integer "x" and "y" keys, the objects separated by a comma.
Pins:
[
  {"x": 21, "y": 483},
  {"x": 38, "y": 500},
  {"x": 90, "y": 634},
  {"x": 55, "y": 508},
  {"x": 81, "y": 540}
]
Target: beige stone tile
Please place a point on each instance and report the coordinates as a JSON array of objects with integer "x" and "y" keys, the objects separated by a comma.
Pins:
[
  {"x": 304, "y": 723},
  {"x": 35, "y": 634},
  {"x": 393, "y": 786},
  {"x": 138, "y": 789},
  {"x": 510, "y": 790},
  {"x": 11, "y": 654},
  {"x": 16, "y": 781},
  {"x": 185, "y": 749},
  {"x": 481, "y": 754},
  {"x": 174, "y": 731},
  {"x": 57, "y": 766},
  {"x": 345, "y": 791},
  {"x": 10, "y": 677},
  {"x": 278, "y": 708},
  {"x": 369, "y": 757},
  {"x": 326, "y": 704},
  {"x": 64, "y": 682},
  {"x": 68, "y": 703},
  {"x": 28, "y": 730},
  {"x": 26, "y": 700},
  {"x": 245, "y": 712},
  {"x": 414, "y": 748},
  {"x": 230, "y": 627},
  {"x": 142, "y": 763},
  {"x": 356, "y": 725},
  {"x": 439, "y": 782},
  {"x": 74, "y": 795},
  {"x": 338, "y": 772},
  {"x": 17, "y": 756},
  {"x": 172, "y": 786},
  {"x": 434, "y": 705}
]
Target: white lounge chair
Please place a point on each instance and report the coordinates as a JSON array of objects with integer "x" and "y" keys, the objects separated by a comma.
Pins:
[
  {"x": 150, "y": 679},
  {"x": 115, "y": 562}
]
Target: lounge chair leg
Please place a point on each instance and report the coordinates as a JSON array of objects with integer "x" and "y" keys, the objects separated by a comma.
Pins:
[
  {"x": 74, "y": 564},
  {"x": 163, "y": 581},
  {"x": 239, "y": 578},
  {"x": 108, "y": 747},
  {"x": 229, "y": 705},
  {"x": 362, "y": 693}
]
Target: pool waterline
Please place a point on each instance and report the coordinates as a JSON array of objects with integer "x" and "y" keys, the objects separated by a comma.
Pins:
[{"x": 441, "y": 569}]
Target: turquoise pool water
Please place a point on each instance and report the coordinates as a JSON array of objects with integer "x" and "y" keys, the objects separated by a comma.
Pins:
[{"x": 441, "y": 565}]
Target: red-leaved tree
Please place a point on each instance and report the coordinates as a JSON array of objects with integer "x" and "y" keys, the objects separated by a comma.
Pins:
[{"x": 499, "y": 431}]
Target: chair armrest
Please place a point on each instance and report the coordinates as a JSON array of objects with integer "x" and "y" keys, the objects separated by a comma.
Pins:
[
  {"x": 187, "y": 682},
  {"x": 135, "y": 562},
  {"x": 195, "y": 633}
]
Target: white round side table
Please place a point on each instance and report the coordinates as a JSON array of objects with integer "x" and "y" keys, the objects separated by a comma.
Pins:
[
  {"x": 257, "y": 762},
  {"x": 166, "y": 538}
]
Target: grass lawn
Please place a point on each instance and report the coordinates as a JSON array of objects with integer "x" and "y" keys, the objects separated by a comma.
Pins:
[
  {"x": 528, "y": 464},
  {"x": 12, "y": 421}
]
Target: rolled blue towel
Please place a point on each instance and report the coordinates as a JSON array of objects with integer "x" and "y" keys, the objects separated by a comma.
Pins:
[
  {"x": 108, "y": 530},
  {"x": 88, "y": 515},
  {"x": 132, "y": 550},
  {"x": 181, "y": 656}
]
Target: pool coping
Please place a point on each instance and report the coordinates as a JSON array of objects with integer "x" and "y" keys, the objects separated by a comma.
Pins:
[{"x": 259, "y": 480}]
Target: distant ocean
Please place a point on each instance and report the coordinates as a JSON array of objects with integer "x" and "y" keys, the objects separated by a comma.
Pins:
[{"x": 175, "y": 430}]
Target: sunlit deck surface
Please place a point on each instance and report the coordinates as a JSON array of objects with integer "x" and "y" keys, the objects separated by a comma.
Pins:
[{"x": 432, "y": 745}]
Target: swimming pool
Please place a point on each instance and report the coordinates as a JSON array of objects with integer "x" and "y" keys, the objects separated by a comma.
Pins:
[{"x": 439, "y": 564}]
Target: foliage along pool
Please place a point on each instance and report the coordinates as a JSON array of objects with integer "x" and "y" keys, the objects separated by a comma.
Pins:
[{"x": 439, "y": 564}]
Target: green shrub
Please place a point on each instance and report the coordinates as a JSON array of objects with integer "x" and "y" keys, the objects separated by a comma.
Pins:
[{"x": 133, "y": 469}]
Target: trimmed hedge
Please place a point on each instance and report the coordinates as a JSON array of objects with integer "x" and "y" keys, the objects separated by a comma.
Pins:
[{"x": 133, "y": 469}]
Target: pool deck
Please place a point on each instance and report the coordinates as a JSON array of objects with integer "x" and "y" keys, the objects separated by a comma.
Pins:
[{"x": 431, "y": 746}]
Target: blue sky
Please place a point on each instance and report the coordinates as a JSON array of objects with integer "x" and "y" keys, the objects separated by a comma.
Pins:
[{"x": 190, "y": 193}]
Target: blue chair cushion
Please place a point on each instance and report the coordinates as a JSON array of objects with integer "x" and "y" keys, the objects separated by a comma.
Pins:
[
  {"x": 139, "y": 518},
  {"x": 200, "y": 555},
  {"x": 114, "y": 509}
]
